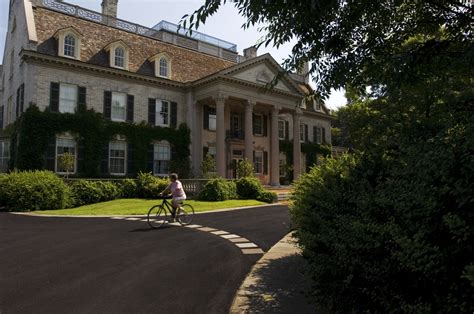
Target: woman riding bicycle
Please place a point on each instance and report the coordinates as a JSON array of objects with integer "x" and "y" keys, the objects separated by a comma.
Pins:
[{"x": 176, "y": 190}]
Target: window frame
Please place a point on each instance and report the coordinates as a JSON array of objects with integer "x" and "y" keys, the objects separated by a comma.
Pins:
[
  {"x": 112, "y": 118},
  {"x": 119, "y": 57},
  {"x": 302, "y": 132},
  {"x": 156, "y": 152},
  {"x": 212, "y": 112},
  {"x": 256, "y": 162},
  {"x": 157, "y": 60},
  {"x": 124, "y": 158},
  {"x": 56, "y": 169},
  {"x": 282, "y": 166},
  {"x": 282, "y": 129},
  {"x": 168, "y": 113},
  {"x": 62, "y": 99},
  {"x": 61, "y": 35},
  {"x": 164, "y": 66},
  {"x": 319, "y": 135},
  {"x": 254, "y": 124},
  {"x": 4, "y": 155},
  {"x": 71, "y": 46}
]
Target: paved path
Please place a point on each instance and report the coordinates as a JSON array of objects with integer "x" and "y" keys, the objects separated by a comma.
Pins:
[{"x": 103, "y": 265}]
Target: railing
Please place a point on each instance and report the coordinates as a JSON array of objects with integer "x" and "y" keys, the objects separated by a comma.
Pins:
[
  {"x": 155, "y": 32},
  {"x": 235, "y": 134}
]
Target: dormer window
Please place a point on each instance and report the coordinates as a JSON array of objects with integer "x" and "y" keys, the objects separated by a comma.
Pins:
[
  {"x": 69, "y": 43},
  {"x": 118, "y": 53},
  {"x": 162, "y": 64}
]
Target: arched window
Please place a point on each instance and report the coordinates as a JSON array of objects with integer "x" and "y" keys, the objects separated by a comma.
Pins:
[
  {"x": 119, "y": 57},
  {"x": 70, "y": 46},
  {"x": 163, "y": 67}
]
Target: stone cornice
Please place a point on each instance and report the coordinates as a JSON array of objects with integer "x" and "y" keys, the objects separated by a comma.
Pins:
[{"x": 34, "y": 56}]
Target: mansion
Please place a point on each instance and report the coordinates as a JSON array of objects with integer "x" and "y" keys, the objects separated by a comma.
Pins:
[{"x": 61, "y": 57}]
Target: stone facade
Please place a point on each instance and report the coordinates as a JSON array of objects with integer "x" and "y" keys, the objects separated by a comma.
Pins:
[{"x": 232, "y": 97}]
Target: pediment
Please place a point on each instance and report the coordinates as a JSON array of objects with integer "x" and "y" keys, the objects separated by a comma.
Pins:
[{"x": 262, "y": 73}]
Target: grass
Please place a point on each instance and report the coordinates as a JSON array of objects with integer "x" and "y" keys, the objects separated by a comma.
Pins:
[{"x": 135, "y": 206}]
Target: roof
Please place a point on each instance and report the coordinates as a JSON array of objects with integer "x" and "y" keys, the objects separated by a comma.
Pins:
[{"x": 188, "y": 65}]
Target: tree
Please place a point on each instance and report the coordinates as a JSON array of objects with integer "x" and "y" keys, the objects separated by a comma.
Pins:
[
  {"x": 66, "y": 163},
  {"x": 349, "y": 42},
  {"x": 245, "y": 169},
  {"x": 207, "y": 165}
]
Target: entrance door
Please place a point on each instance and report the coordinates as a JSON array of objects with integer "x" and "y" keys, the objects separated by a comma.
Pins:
[
  {"x": 237, "y": 157},
  {"x": 236, "y": 126}
]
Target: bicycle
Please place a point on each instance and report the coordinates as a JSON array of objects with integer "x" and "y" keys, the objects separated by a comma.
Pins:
[{"x": 157, "y": 215}]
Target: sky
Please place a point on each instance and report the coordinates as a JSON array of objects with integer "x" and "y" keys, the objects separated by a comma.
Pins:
[{"x": 226, "y": 24}]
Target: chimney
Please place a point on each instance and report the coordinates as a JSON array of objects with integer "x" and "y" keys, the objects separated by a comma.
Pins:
[
  {"x": 109, "y": 8},
  {"x": 303, "y": 70},
  {"x": 250, "y": 52}
]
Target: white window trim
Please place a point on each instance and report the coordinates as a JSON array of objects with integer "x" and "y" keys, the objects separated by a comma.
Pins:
[
  {"x": 61, "y": 35},
  {"x": 169, "y": 112},
  {"x": 111, "y": 108},
  {"x": 156, "y": 59},
  {"x": 319, "y": 135},
  {"x": 77, "y": 97},
  {"x": 261, "y": 125},
  {"x": 111, "y": 49},
  {"x": 262, "y": 162},
  {"x": 162, "y": 143},
  {"x": 56, "y": 155},
  {"x": 301, "y": 135},
  {"x": 284, "y": 131},
  {"x": 125, "y": 159}
]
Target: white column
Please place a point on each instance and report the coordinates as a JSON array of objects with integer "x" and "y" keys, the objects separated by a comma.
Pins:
[
  {"x": 275, "y": 149},
  {"x": 296, "y": 144},
  {"x": 220, "y": 136},
  {"x": 249, "y": 131}
]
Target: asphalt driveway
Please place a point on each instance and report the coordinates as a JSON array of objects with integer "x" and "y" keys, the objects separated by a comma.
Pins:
[{"x": 103, "y": 265}]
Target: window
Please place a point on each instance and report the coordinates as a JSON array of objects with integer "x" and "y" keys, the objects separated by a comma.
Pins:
[
  {"x": 258, "y": 124},
  {"x": 301, "y": 132},
  {"x": 119, "y": 57},
  {"x": 162, "y": 113},
  {"x": 70, "y": 46},
  {"x": 65, "y": 146},
  {"x": 1, "y": 117},
  {"x": 119, "y": 101},
  {"x": 212, "y": 119},
  {"x": 117, "y": 157},
  {"x": 163, "y": 67},
  {"x": 319, "y": 135},
  {"x": 281, "y": 129},
  {"x": 161, "y": 158},
  {"x": 317, "y": 105},
  {"x": 258, "y": 162},
  {"x": 282, "y": 165},
  {"x": 4, "y": 155},
  {"x": 67, "y": 98}
]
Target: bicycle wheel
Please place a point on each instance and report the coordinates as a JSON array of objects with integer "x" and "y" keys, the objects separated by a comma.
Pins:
[
  {"x": 185, "y": 214},
  {"x": 157, "y": 216}
]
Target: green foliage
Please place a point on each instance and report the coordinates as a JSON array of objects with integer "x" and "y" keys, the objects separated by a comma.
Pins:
[
  {"x": 312, "y": 151},
  {"x": 35, "y": 129},
  {"x": 267, "y": 197},
  {"x": 90, "y": 192},
  {"x": 66, "y": 163},
  {"x": 33, "y": 190},
  {"x": 218, "y": 189},
  {"x": 128, "y": 188},
  {"x": 245, "y": 169},
  {"x": 207, "y": 165},
  {"x": 249, "y": 187},
  {"x": 149, "y": 186}
]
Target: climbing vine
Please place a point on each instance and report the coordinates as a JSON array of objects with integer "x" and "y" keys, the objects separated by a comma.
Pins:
[{"x": 35, "y": 130}]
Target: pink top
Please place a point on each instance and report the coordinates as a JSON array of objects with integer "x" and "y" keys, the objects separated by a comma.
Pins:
[{"x": 176, "y": 189}]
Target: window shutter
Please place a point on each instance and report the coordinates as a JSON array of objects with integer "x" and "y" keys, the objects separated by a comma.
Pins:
[
  {"x": 306, "y": 133},
  {"x": 205, "y": 150},
  {"x": 315, "y": 134},
  {"x": 151, "y": 111},
  {"x": 54, "y": 97},
  {"x": 130, "y": 159},
  {"x": 265, "y": 126},
  {"x": 323, "y": 130},
  {"x": 104, "y": 163},
  {"x": 205, "y": 117},
  {"x": 81, "y": 98},
  {"x": 51, "y": 155},
  {"x": 265, "y": 162},
  {"x": 174, "y": 115},
  {"x": 80, "y": 156},
  {"x": 130, "y": 101},
  {"x": 254, "y": 159},
  {"x": 287, "y": 130},
  {"x": 17, "y": 107},
  {"x": 253, "y": 124},
  {"x": 22, "y": 97},
  {"x": 151, "y": 157},
  {"x": 1, "y": 117},
  {"x": 107, "y": 105}
]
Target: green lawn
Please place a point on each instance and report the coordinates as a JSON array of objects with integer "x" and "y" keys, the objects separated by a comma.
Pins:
[{"x": 136, "y": 206}]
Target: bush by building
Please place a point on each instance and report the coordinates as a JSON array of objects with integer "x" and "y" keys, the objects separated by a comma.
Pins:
[
  {"x": 218, "y": 189},
  {"x": 149, "y": 186},
  {"x": 248, "y": 187},
  {"x": 89, "y": 192},
  {"x": 128, "y": 188}
]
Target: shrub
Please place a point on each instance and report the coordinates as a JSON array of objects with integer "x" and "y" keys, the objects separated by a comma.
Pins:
[
  {"x": 245, "y": 169},
  {"x": 89, "y": 192},
  {"x": 149, "y": 186},
  {"x": 34, "y": 190},
  {"x": 249, "y": 187},
  {"x": 267, "y": 197},
  {"x": 129, "y": 188},
  {"x": 218, "y": 189}
]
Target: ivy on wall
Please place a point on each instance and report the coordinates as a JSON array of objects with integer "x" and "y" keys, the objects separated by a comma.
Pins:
[
  {"x": 35, "y": 130},
  {"x": 312, "y": 150}
]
